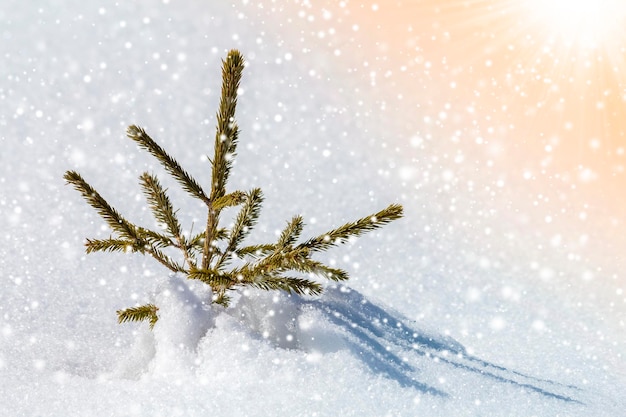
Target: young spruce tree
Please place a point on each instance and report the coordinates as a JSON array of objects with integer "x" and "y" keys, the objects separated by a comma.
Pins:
[{"x": 207, "y": 256}]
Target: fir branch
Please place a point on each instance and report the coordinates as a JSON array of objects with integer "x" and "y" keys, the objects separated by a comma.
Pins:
[
  {"x": 212, "y": 277},
  {"x": 353, "y": 229},
  {"x": 227, "y": 131},
  {"x": 244, "y": 222},
  {"x": 295, "y": 260},
  {"x": 164, "y": 260},
  {"x": 308, "y": 265},
  {"x": 274, "y": 263},
  {"x": 160, "y": 204},
  {"x": 110, "y": 245},
  {"x": 141, "y": 313},
  {"x": 229, "y": 200},
  {"x": 149, "y": 245},
  {"x": 290, "y": 234},
  {"x": 255, "y": 251},
  {"x": 157, "y": 240},
  {"x": 226, "y": 137},
  {"x": 221, "y": 298},
  {"x": 298, "y": 286},
  {"x": 222, "y": 234},
  {"x": 164, "y": 213},
  {"x": 219, "y": 283},
  {"x": 197, "y": 241},
  {"x": 188, "y": 183},
  {"x": 108, "y": 213}
]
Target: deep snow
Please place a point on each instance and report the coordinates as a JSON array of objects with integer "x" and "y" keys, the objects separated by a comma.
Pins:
[{"x": 494, "y": 317}]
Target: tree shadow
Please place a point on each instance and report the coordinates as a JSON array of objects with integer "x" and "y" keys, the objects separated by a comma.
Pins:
[{"x": 377, "y": 337}]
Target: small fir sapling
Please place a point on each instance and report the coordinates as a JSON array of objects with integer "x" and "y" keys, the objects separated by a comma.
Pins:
[{"x": 207, "y": 256}]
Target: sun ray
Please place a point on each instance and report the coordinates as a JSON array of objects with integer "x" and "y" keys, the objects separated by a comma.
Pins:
[{"x": 586, "y": 23}]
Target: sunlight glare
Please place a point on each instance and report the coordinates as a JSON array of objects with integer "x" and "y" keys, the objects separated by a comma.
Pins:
[{"x": 585, "y": 22}]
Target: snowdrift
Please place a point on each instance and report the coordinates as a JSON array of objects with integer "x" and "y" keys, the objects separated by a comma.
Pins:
[
  {"x": 270, "y": 352},
  {"x": 385, "y": 344}
]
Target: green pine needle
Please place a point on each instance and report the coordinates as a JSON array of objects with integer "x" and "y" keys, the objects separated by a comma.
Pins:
[
  {"x": 291, "y": 233},
  {"x": 354, "y": 229},
  {"x": 160, "y": 204},
  {"x": 108, "y": 213},
  {"x": 227, "y": 133},
  {"x": 255, "y": 251},
  {"x": 188, "y": 183},
  {"x": 298, "y": 286},
  {"x": 246, "y": 219},
  {"x": 141, "y": 313},
  {"x": 229, "y": 200},
  {"x": 110, "y": 245}
]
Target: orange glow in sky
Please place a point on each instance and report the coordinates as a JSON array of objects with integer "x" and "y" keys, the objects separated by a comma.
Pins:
[
  {"x": 584, "y": 22},
  {"x": 543, "y": 82}
]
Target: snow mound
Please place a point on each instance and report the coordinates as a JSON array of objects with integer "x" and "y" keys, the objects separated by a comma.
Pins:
[
  {"x": 184, "y": 319},
  {"x": 189, "y": 333}
]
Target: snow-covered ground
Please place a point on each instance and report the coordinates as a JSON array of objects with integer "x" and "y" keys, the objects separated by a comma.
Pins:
[{"x": 496, "y": 295}]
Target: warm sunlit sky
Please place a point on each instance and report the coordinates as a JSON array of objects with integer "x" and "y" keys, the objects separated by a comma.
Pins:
[
  {"x": 527, "y": 95},
  {"x": 541, "y": 82},
  {"x": 549, "y": 74}
]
